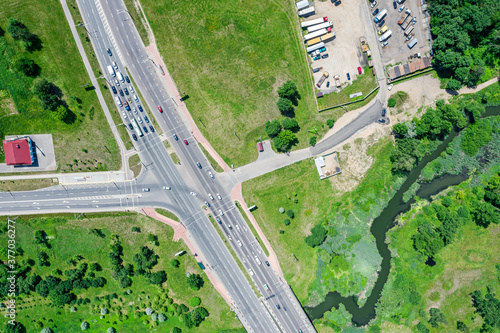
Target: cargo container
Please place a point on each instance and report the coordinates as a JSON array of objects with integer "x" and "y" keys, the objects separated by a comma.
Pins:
[
  {"x": 315, "y": 34},
  {"x": 403, "y": 18},
  {"x": 315, "y": 47},
  {"x": 111, "y": 71},
  {"x": 386, "y": 35},
  {"x": 406, "y": 25},
  {"x": 320, "y": 26},
  {"x": 380, "y": 15},
  {"x": 302, "y": 4},
  {"x": 327, "y": 36},
  {"x": 313, "y": 41},
  {"x": 322, "y": 79},
  {"x": 409, "y": 30},
  {"x": 307, "y": 12},
  {"x": 412, "y": 43},
  {"x": 120, "y": 76},
  {"x": 306, "y": 24}
]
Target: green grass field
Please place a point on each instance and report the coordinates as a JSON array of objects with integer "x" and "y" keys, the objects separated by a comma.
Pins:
[
  {"x": 60, "y": 63},
  {"x": 70, "y": 237}
]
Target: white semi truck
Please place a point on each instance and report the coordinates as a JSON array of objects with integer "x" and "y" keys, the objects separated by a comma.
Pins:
[
  {"x": 380, "y": 15},
  {"x": 309, "y": 23},
  {"x": 385, "y": 36},
  {"x": 320, "y": 26},
  {"x": 111, "y": 71}
]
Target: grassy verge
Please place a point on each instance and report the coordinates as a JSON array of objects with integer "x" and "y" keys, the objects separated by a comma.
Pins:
[
  {"x": 210, "y": 159},
  {"x": 250, "y": 225},
  {"x": 171, "y": 151},
  {"x": 69, "y": 237},
  {"x": 58, "y": 63},
  {"x": 124, "y": 135},
  {"x": 27, "y": 184},
  {"x": 168, "y": 214},
  {"x": 138, "y": 19},
  {"x": 364, "y": 83},
  {"x": 135, "y": 165}
]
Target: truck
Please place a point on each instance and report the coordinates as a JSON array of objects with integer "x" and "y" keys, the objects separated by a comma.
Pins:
[
  {"x": 412, "y": 43},
  {"x": 125, "y": 104},
  {"x": 111, "y": 71},
  {"x": 406, "y": 25},
  {"x": 409, "y": 30},
  {"x": 320, "y": 26},
  {"x": 337, "y": 81},
  {"x": 327, "y": 36},
  {"x": 384, "y": 29},
  {"x": 323, "y": 78},
  {"x": 303, "y": 4},
  {"x": 380, "y": 15},
  {"x": 403, "y": 18},
  {"x": 315, "y": 34},
  {"x": 315, "y": 47},
  {"x": 309, "y": 23},
  {"x": 307, "y": 12},
  {"x": 120, "y": 76},
  {"x": 385, "y": 36}
]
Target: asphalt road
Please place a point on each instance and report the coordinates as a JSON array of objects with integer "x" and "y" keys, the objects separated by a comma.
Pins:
[{"x": 110, "y": 26}]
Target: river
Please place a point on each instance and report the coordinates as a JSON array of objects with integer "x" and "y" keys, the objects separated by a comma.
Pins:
[{"x": 361, "y": 316}]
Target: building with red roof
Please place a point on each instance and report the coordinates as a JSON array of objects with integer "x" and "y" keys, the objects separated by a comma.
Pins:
[{"x": 19, "y": 151}]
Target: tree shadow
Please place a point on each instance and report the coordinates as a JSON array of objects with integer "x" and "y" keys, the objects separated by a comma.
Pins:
[
  {"x": 452, "y": 92},
  {"x": 36, "y": 43},
  {"x": 35, "y": 71},
  {"x": 289, "y": 114}
]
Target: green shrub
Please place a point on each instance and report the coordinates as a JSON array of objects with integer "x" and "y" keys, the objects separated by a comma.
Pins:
[
  {"x": 290, "y": 214},
  {"x": 391, "y": 102},
  {"x": 287, "y": 222},
  {"x": 312, "y": 140},
  {"x": 330, "y": 122}
]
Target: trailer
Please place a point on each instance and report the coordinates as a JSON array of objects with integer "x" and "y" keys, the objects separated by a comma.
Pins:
[
  {"x": 412, "y": 43},
  {"x": 306, "y": 24},
  {"x": 315, "y": 34},
  {"x": 327, "y": 36},
  {"x": 406, "y": 25},
  {"x": 320, "y": 26},
  {"x": 111, "y": 71},
  {"x": 307, "y": 12},
  {"x": 409, "y": 30},
  {"x": 385, "y": 36},
  {"x": 302, "y": 4},
  {"x": 137, "y": 129},
  {"x": 120, "y": 76},
  {"x": 323, "y": 78},
  {"x": 315, "y": 47},
  {"x": 380, "y": 15},
  {"x": 313, "y": 41},
  {"x": 404, "y": 18}
]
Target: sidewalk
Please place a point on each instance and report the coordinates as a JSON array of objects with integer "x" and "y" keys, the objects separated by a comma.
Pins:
[
  {"x": 169, "y": 84},
  {"x": 236, "y": 195},
  {"x": 77, "y": 178}
]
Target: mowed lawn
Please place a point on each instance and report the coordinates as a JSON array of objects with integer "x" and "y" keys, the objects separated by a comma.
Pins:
[
  {"x": 61, "y": 63},
  {"x": 230, "y": 57}
]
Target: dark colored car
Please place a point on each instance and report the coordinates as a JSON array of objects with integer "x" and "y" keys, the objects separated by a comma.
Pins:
[
  {"x": 121, "y": 92},
  {"x": 176, "y": 138},
  {"x": 218, "y": 220},
  {"x": 324, "y": 56},
  {"x": 139, "y": 107},
  {"x": 109, "y": 52},
  {"x": 381, "y": 24},
  {"x": 127, "y": 79},
  {"x": 338, "y": 3},
  {"x": 267, "y": 263},
  {"x": 395, "y": 4},
  {"x": 383, "y": 113},
  {"x": 278, "y": 306},
  {"x": 186, "y": 142},
  {"x": 146, "y": 119},
  {"x": 375, "y": 12},
  {"x": 381, "y": 120},
  {"x": 134, "y": 136},
  {"x": 114, "y": 89},
  {"x": 152, "y": 129},
  {"x": 145, "y": 129},
  {"x": 198, "y": 164},
  {"x": 328, "y": 84},
  {"x": 125, "y": 90},
  {"x": 348, "y": 76},
  {"x": 130, "y": 126}
]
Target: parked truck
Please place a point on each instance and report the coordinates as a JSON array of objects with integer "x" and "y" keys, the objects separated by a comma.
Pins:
[
  {"x": 406, "y": 25},
  {"x": 404, "y": 18},
  {"x": 315, "y": 34},
  {"x": 315, "y": 47},
  {"x": 307, "y": 12},
  {"x": 323, "y": 78},
  {"x": 111, "y": 71},
  {"x": 120, "y": 76},
  {"x": 302, "y": 4},
  {"x": 412, "y": 43},
  {"x": 385, "y": 36},
  {"x": 125, "y": 104},
  {"x": 380, "y": 15},
  {"x": 337, "y": 81},
  {"x": 313, "y": 41},
  {"x": 320, "y": 26},
  {"x": 309, "y": 23},
  {"x": 409, "y": 30}
]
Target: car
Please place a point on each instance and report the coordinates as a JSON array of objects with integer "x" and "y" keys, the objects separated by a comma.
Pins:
[
  {"x": 237, "y": 227},
  {"x": 410, "y": 36},
  {"x": 198, "y": 164},
  {"x": 130, "y": 126},
  {"x": 218, "y": 220},
  {"x": 129, "y": 100},
  {"x": 146, "y": 119},
  {"x": 221, "y": 213},
  {"x": 114, "y": 90},
  {"x": 338, "y": 3},
  {"x": 383, "y": 112},
  {"x": 121, "y": 93},
  {"x": 381, "y": 120},
  {"x": 139, "y": 107},
  {"x": 239, "y": 243},
  {"x": 395, "y": 4},
  {"x": 131, "y": 89},
  {"x": 140, "y": 121},
  {"x": 384, "y": 44},
  {"x": 152, "y": 129},
  {"x": 408, "y": 11},
  {"x": 125, "y": 90},
  {"x": 401, "y": 8},
  {"x": 381, "y": 24},
  {"x": 266, "y": 287},
  {"x": 134, "y": 136},
  {"x": 278, "y": 306},
  {"x": 109, "y": 52},
  {"x": 193, "y": 194},
  {"x": 348, "y": 76},
  {"x": 210, "y": 196},
  {"x": 117, "y": 83},
  {"x": 360, "y": 71},
  {"x": 134, "y": 111},
  {"x": 389, "y": 87},
  {"x": 375, "y": 12},
  {"x": 324, "y": 56},
  {"x": 250, "y": 271},
  {"x": 167, "y": 188},
  {"x": 127, "y": 79},
  {"x": 323, "y": 49},
  {"x": 146, "y": 189},
  {"x": 328, "y": 84},
  {"x": 207, "y": 204},
  {"x": 145, "y": 129},
  {"x": 414, "y": 20},
  {"x": 267, "y": 263},
  {"x": 218, "y": 196},
  {"x": 374, "y": 3},
  {"x": 176, "y": 138},
  {"x": 186, "y": 142},
  {"x": 317, "y": 57},
  {"x": 211, "y": 175},
  {"x": 160, "y": 109},
  {"x": 124, "y": 115},
  {"x": 229, "y": 226}
]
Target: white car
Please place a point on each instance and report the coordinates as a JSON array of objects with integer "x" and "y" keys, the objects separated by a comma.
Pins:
[
  {"x": 250, "y": 271},
  {"x": 237, "y": 227},
  {"x": 140, "y": 120},
  {"x": 389, "y": 87},
  {"x": 211, "y": 175},
  {"x": 374, "y": 3},
  {"x": 414, "y": 20},
  {"x": 221, "y": 213},
  {"x": 239, "y": 243},
  {"x": 218, "y": 196},
  {"x": 134, "y": 111},
  {"x": 146, "y": 189},
  {"x": 210, "y": 196},
  {"x": 124, "y": 115},
  {"x": 131, "y": 89},
  {"x": 384, "y": 44},
  {"x": 401, "y": 8},
  {"x": 167, "y": 188},
  {"x": 117, "y": 83}
]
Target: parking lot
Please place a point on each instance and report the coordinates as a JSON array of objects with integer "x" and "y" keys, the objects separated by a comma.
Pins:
[{"x": 397, "y": 50}]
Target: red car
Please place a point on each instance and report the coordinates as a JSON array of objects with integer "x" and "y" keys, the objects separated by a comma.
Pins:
[
  {"x": 360, "y": 71},
  {"x": 186, "y": 142},
  {"x": 160, "y": 109}
]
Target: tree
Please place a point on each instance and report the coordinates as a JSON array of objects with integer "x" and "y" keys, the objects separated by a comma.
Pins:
[
  {"x": 272, "y": 128},
  {"x": 400, "y": 130},
  {"x": 176, "y": 330},
  {"x": 285, "y": 106},
  {"x": 43, "y": 259},
  {"x": 125, "y": 282},
  {"x": 48, "y": 93},
  {"x": 475, "y": 109},
  {"x": 287, "y": 222},
  {"x": 290, "y": 214},
  {"x": 146, "y": 259},
  {"x": 194, "y": 301},
  {"x": 158, "y": 277},
  {"x": 476, "y": 136},
  {"x": 111, "y": 330},
  {"x": 175, "y": 263},
  {"x": 154, "y": 317},
  {"x": 312, "y": 141},
  {"x": 284, "y": 140},
  {"x": 454, "y": 85},
  {"x": 153, "y": 239},
  {"x": 289, "y": 90},
  {"x": 462, "y": 327},
  {"x": 26, "y": 66},
  {"x": 195, "y": 281},
  {"x": 19, "y": 31},
  {"x": 422, "y": 328},
  {"x": 488, "y": 307},
  {"x": 391, "y": 102},
  {"x": 437, "y": 317},
  {"x": 484, "y": 214},
  {"x": 330, "y": 122},
  {"x": 149, "y": 311},
  {"x": 427, "y": 240},
  {"x": 61, "y": 113},
  {"x": 162, "y": 317},
  {"x": 317, "y": 237},
  {"x": 47, "y": 330},
  {"x": 136, "y": 229},
  {"x": 85, "y": 325},
  {"x": 290, "y": 124},
  {"x": 195, "y": 318},
  {"x": 16, "y": 328}
]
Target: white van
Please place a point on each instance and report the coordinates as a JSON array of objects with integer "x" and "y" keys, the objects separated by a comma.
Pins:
[
  {"x": 118, "y": 101},
  {"x": 136, "y": 99},
  {"x": 115, "y": 65}
]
